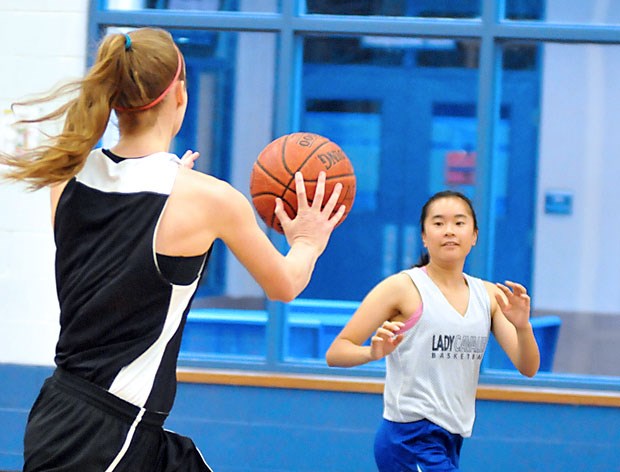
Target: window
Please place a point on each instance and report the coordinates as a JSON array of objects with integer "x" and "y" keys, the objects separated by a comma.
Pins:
[
  {"x": 593, "y": 12},
  {"x": 264, "y": 6},
  {"x": 419, "y": 8},
  {"x": 517, "y": 114}
]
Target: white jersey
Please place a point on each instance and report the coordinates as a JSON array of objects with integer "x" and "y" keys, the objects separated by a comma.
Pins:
[{"x": 433, "y": 374}]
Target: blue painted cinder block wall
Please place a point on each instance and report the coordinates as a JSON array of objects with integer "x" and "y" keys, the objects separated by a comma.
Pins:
[{"x": 253, "y": 429}]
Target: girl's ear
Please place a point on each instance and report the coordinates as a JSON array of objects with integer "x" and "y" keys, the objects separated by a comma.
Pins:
[{"x": 180, "y": 93}]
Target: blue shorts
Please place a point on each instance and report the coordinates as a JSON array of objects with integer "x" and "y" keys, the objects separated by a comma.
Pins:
[{"x": 420, "y": 446}]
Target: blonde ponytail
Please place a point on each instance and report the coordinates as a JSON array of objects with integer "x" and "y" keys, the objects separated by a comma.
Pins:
[{"x": 122, "y": 77}]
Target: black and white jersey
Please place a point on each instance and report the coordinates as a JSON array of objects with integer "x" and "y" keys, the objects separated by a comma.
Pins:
[{"x": 121, "y": 315}]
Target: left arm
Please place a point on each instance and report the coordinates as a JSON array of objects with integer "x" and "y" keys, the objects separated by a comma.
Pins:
[{"x": 510, "y": 323}]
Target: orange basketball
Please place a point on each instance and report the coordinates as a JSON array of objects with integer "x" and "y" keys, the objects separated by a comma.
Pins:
[{"x": 273, "y": 174}]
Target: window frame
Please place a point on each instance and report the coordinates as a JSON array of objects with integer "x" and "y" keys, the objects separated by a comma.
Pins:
[{"x": 290, "y": 24}]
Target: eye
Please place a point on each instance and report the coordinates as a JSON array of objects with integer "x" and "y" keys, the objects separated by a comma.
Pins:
[{"x": 460, "y": 223}]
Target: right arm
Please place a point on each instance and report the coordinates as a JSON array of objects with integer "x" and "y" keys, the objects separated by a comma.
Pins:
[
  {"x": 202, "y": 208},
  {"x": 382, "y": 312},
  {"x": 282, "y": 277}
]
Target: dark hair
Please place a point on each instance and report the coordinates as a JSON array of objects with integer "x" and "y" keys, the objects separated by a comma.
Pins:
[{"x": 424, "y": 257}]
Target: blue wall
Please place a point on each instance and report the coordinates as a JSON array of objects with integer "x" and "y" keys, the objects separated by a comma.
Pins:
[{"x": 254, "y": 429}]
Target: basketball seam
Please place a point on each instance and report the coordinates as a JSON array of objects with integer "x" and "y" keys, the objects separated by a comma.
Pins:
[
  {"x": 264, "y": 169},
  {"x": 288, "y": 186},
  {"x": 328, "y": 178}
]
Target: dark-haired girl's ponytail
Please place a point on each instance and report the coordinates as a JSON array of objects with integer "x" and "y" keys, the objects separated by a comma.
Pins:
[{"x": 423, "y": 260}]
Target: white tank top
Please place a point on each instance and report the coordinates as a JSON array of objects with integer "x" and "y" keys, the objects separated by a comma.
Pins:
[{"x": 433, "y": 374}]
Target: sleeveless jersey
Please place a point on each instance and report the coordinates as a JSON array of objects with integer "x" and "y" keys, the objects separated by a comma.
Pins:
[
  {"x": 433, "y": 373},
  {"x": 121, "y": 320}
]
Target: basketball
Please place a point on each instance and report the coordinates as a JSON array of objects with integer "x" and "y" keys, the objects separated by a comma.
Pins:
[{"x": 273, "y": 174}]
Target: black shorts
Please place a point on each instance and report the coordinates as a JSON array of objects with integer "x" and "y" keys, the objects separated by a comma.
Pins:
[{"x": 77, "y": 426}]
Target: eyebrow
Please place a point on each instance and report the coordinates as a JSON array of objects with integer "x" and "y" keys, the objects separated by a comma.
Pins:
[{"x": 459, "y": 215}]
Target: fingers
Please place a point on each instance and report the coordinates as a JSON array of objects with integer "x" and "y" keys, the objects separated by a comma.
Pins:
[
  {"x": 336, "y": 217},
  {"x": 389, "y": 329},
  {"x": 312, "y": 219},
  {"x": 300, "y": 189},
  {"x": 518, "y": 290},
  {"x": 386, "y": 339},
  {"x": 511, "y": 300},
  {"x": 188, "y": 159},
  {"x": 333, "y": 199},
  {"x": 505, "y": 290},
  {"x": 501, "y": 301},
  {"x": 282, "y": 216},
  {"x": 319, "y": 192},
  {"x": 319, "y": 196}
]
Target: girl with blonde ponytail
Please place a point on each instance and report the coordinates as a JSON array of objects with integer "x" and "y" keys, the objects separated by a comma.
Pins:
[
  {"x": 113, "y": 82},
  {"x": 134, "y": 226}
]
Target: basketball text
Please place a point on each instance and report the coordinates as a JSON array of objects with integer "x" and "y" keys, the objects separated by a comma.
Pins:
[
  {"x": 306, "y": 140},
  {"x": 331, "y": 157}
]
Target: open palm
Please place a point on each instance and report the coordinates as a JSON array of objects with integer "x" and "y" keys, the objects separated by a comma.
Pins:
[{"x": 515, "y": 303}]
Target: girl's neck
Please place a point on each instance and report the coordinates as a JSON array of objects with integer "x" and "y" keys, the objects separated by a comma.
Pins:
[
  {"x": 142, "y": 144},
  {"x": 446, "y": 276},
  {"x": 134, "y": 149}
]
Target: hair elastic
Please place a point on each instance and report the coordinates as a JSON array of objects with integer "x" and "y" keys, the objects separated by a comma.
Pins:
[
  {"x": 127, "y": 42},
  {"x": 162, "y": 95}
]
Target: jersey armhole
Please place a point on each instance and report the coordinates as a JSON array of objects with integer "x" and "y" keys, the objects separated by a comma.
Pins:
[
  {"x": 63, "y": 195},
  {"x": 414, "y": 317},
  {"x": 180, "y": 270}
]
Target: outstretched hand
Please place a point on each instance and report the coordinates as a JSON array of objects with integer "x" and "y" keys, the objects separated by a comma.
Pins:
[
  {"x": 189, "y": 158},
  {"x": 314, "y": 222},
  {"x": 515, "y": 303},
  {"x": 385, "y": 339}
]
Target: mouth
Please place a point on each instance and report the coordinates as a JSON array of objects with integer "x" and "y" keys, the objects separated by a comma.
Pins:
[{"x": 450, "y": 244}]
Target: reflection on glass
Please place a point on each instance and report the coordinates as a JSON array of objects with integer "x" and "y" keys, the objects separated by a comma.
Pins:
[
  {"x": 356, "y": 127},
  {"x": 573, "y": 177},
  {"x": 411, "y": 8},
  {"x": 603, "y": 12},
  {"x": 376, "y": 97},
  {"x": 391, "y": 51},
  {"x": 262, "y": 6},
  {"x": 526, "y": 9}
]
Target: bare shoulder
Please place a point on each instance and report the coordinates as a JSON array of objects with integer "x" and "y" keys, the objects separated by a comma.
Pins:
[
  {"x": 205, "y": 191},
  {"x": 493, "y": 291},
  {"x": 490, "y": 286},
  {"x": 197, "y": 212},
  {"x": 402, "y": 282},
  {"x": 400, "y": 293},
  {"x": 411, "y": 298},
  {"x": 216, "y": 203},
  {"x": 201, "y": 185},
  {"x": 55, "y": 193}
]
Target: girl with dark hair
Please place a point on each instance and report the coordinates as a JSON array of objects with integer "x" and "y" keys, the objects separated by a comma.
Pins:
[
  {"x": 432, "y": 323},
  {"x": 134, "y": 227}
]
